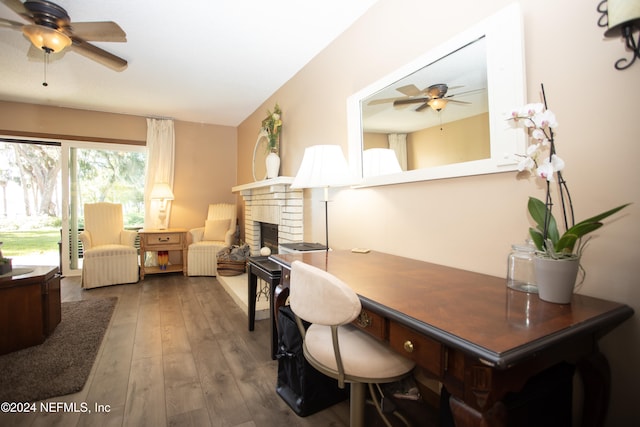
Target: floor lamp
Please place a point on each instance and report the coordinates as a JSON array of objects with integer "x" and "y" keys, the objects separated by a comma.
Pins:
[{"x": 323, "y": 166}]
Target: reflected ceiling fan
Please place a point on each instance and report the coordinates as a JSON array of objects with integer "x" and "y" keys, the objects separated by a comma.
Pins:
[
  {"x": 434, "y": 96},
  {"x": 50, "y": 29}
]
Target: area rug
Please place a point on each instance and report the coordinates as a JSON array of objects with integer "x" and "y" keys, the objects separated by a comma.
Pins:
[{"x": 60, "y": 365}]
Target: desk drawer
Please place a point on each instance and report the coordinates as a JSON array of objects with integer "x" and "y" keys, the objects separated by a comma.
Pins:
[
  {"x": 372, "y": 323},
  {"x": 163, "y": 240},
  {"x": 423, "y": 350}
]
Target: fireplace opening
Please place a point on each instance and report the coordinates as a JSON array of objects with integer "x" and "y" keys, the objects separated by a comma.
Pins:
[{"x": 269, "y": 236}]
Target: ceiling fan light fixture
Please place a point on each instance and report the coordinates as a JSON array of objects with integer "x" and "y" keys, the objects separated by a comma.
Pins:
[
  {"x": 437, "y": 103},
  {"x": 45, "y": 38}
]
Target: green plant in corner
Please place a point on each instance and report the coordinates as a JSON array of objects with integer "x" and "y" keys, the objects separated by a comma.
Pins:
[
  {"x": 272, "y": 125},
  {"x": 542, "y": 161}
]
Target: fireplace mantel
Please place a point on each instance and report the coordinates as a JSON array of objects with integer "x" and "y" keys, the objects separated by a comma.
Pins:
[
  {"x": 281, "y": 180},
  {"x": 272, "y": 201}
]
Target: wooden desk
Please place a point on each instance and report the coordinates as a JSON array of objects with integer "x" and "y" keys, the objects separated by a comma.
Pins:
[
  {"x": 468, "y": 330},
  {"x": 170, "y": 239},
  {"x": 29, "y": 306}
]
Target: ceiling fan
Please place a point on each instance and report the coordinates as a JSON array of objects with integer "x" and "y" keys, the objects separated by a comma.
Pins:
[
  {"x": 50, "y": 29},
  {"x": 434, "y": 96}
]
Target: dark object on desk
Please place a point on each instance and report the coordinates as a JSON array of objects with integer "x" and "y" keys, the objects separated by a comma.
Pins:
[
  {"x": 300, "y": 385},
  {"x": 304, "y": 247}
]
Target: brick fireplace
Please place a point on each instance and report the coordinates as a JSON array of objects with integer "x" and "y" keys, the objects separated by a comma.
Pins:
[{"x": 272, "y": 201}]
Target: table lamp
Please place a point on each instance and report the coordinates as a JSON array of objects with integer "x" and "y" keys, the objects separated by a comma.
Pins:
[
  {"x": 323, "y": 166},
  {"x": 162, "y": 192}
]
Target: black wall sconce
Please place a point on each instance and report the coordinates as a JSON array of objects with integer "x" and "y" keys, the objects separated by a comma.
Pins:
[{"x": 622, "y": 18}]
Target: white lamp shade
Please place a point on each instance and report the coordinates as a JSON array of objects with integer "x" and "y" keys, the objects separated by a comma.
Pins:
[
  {"x": 161, "y": 191},
  {"x": 620, "y": 12},
  {"x": 379, "y": 161},
  {"x": 323, "y": 166}
]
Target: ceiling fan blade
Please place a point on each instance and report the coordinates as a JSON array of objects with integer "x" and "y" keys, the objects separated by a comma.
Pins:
[
  {"x": 105, "y": 31},
  {"x": 99, "y": 55},
  {"x": 18, "y": 7},
  {"x": 422, "y": 107},
  {"x": 468, "y": 92},
  {"x": 455, "y": 101},
  {"x": 7, "y": 23},
  {"x": 410, "y": 101},
  {"x": 383, "y": 101},
  {"x": 410, "y": 90}
]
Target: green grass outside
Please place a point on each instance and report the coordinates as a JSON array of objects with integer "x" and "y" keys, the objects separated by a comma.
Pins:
[{"x": 21, "y": 243}]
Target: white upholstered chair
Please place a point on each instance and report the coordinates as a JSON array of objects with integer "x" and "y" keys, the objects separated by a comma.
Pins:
[
  {"x": 109, "y": 253},
  {"x": 333, "y": 345},
  {"x": 218, "y": 232}
]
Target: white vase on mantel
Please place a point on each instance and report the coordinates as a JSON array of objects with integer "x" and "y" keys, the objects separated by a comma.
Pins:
[{"x": 273, "y": 165}]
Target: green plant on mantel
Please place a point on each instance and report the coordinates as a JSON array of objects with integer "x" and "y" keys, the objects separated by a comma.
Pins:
[
  {"x": 542, "y": 161},
  {"x": 272, "y": 125}
]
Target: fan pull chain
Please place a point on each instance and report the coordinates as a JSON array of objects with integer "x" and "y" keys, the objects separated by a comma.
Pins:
[{"x": 46, "y": 61}]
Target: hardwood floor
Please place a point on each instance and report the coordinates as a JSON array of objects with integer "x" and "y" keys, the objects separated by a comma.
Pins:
[{"x": 178, "y": 353}]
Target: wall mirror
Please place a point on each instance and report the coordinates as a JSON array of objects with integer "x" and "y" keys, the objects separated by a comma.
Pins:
[{"x": 444, "y": 114}]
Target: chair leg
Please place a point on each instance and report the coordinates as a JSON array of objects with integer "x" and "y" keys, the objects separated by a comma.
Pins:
[{"x": 356, "y": 405}]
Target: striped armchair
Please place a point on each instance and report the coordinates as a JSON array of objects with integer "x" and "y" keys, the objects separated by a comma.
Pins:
[
  {"x": 110, "y": 256},
  {"x": 217, "y": 233}
]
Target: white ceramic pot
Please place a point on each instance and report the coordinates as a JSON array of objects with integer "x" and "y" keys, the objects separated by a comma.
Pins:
[
  {"x": 556, "y": 278},
  {"x": 273, "y": 165}
]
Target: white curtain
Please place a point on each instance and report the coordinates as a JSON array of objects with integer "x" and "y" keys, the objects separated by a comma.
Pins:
[
  {"x": 398, "y": 143},
  {"x": 160, "y": 156}
]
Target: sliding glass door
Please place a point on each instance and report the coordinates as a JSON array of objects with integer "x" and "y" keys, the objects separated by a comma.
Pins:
[{"x": 94, "y": 173}]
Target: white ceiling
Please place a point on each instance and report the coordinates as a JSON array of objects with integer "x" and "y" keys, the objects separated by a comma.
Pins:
[{"x": 208, "y": 61}]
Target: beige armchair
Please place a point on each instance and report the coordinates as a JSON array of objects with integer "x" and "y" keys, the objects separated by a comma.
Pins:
[
  {"x": 110, "y": 256},
  {"x": 217, "y": 233}
]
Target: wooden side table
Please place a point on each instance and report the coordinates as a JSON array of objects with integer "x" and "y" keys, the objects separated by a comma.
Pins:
[
  {"x": 169, "y": 239},
  {"x": 30, "y": 304}
]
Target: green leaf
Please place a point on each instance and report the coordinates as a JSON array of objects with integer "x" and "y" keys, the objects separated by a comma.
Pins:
[
  {"x": 538, "y": 210},
  {"x": 568, "y": 239},
  {"x": 537, "y": 238},
  {"x": 603, "y": 215}
]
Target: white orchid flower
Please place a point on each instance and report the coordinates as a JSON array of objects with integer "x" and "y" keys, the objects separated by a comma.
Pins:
[
  {"x": 532, "y": 149},
  {"x": 547, "y": 119},
  {"x": 538, "y": 134},
  {"x": 557, "y": 163},
  {"x": 545, "y": 170},
  {"x": 526, "y": 163}
]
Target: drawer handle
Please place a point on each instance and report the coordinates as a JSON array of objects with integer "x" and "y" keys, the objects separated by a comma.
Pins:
[
  {"x": 363, "y": 320},
  {"x": 163, "y": 239},
  {"x": 408, "y": 346}
]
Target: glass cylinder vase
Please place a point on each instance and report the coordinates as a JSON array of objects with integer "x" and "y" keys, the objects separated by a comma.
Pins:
[{"x": 520, "y": 269}]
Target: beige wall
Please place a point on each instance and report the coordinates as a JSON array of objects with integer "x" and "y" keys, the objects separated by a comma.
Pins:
[
  {"x": 205, "y": 155},
  {"x": 454, "y": 142},
  {"x": 471, "y": 222}
]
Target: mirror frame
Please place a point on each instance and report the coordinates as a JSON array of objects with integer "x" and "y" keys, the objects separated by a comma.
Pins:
[{"x": 506, "y": 90}]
